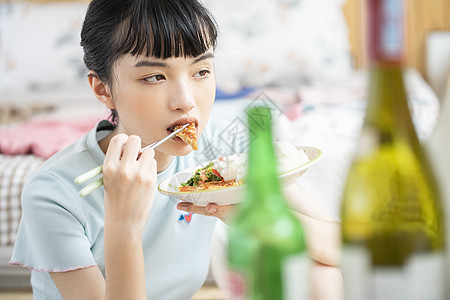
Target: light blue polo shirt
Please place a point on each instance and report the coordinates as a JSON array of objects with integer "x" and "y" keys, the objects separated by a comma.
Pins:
[{"x": 61, "y": 231}]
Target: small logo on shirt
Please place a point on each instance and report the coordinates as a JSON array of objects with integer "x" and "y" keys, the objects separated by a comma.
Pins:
[{"x": 185, "y": 217}]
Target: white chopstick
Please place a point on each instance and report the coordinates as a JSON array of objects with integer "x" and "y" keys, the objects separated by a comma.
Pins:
[{"x": 98, "y": 170}]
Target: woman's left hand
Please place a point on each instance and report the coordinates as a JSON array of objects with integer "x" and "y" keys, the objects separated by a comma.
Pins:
[{"x": 210, "y": 210}]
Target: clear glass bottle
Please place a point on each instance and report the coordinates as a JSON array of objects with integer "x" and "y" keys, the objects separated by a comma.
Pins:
[
  {"x": 439, "y": 148},
  {"x": 266, "y": 246},
  {"x": 392, "y": 219}
]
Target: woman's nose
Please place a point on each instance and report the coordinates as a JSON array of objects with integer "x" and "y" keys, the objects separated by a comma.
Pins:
[{"x": 182, "y": 97}]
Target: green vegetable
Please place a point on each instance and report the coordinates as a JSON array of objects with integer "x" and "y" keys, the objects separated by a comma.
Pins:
[
  {"x": 193, "y": 181},
  {"x": 212, "y": 177}
]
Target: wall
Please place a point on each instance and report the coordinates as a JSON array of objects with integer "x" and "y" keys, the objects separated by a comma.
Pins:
[{"x": 423, "y": 16}]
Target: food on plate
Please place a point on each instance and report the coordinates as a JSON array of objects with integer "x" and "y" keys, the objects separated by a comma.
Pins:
[
  {"x": 206, "y": 178},
  {"x": 231, "y": 170},
  {"x": 288, "y": 156},
  {"x": 188, "y": 135}
]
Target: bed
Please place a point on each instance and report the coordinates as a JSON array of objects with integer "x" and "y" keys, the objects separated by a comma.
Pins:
[{"x": 268, "y": 51}]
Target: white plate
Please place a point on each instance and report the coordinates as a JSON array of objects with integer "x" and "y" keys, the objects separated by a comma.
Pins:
[{"x": 228, "y": 195}]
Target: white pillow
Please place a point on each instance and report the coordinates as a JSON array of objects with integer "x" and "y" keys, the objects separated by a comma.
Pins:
[
  {"x": 279, "y": 42},
  {"x": 40, "y": 52}
]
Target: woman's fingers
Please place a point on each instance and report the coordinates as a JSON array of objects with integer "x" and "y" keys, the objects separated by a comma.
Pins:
[
  {"x": 147, "y": 165},
  {"x": 147, "y": 158},
  {"x": 132, "y": 148},
  {"x": 115, "y": 148},
  {"x": 124, "y": 147},
  {"x": 211, "y": 209},
  {"x": 129, "y": 181},
  {"x": 146, "y": 155}
]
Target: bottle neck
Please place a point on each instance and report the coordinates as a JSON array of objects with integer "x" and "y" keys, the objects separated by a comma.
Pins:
[
  {"x": 386, "y": 32},
  {"x": 262, "y": 178},
  {"x": 387, "y": 97}
]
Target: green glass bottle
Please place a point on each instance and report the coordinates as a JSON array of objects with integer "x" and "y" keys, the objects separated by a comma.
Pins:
[
  {"x": 266, "y": 245},
  {"x": 392, "y": 219}
]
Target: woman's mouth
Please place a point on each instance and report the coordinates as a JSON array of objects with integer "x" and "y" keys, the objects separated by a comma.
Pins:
[
  {"x": 175, "y": 138},
  {"x": 181, "y": 122},
  {"x": 188, "y": 135}
]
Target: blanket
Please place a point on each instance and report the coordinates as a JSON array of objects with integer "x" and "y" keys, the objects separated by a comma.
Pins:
[{"x": 42, "y": 137}]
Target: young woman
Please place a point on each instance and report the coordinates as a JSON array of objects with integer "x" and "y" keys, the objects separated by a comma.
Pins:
[{"x": 150, "y": 62}]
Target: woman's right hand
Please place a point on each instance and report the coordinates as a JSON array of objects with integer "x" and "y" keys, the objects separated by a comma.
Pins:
[
  {"x": 130, "y": 185},
  {"x": 130, "y": 182}
]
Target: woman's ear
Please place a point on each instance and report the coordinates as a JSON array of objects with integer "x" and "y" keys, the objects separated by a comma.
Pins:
[{"x": 101, "y": 90}]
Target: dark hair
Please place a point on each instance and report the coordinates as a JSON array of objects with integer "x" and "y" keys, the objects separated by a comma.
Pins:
[{"x": 160, "y": 28}]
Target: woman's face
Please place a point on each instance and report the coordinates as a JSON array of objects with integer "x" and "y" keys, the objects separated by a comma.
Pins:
[{"x": 151, "y": 95}]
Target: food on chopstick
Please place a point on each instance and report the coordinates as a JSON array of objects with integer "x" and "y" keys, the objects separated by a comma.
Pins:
[
  {"x": 231, "y": 170},
  {"x": 188, "y": 135}
]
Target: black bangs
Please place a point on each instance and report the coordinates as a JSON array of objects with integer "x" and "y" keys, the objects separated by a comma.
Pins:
[{"x": 166, "y": 29}]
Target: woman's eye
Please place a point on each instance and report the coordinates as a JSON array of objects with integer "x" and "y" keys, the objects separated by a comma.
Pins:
[
  {"x": 155, "y": 78},
  {"x": 201, "y": 74}
]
